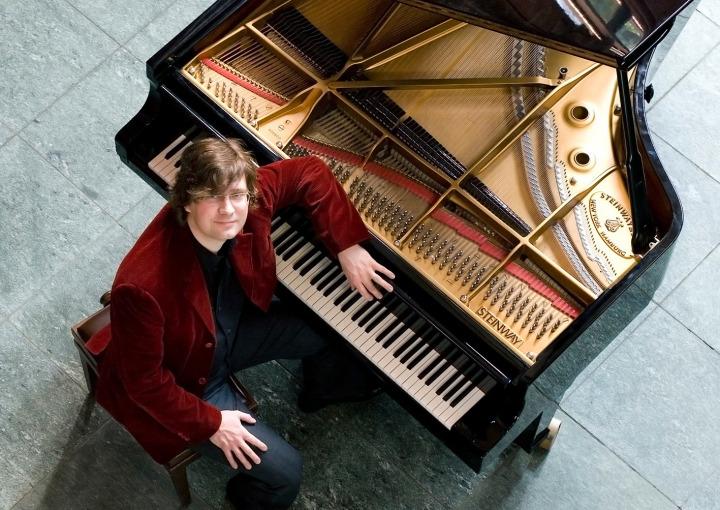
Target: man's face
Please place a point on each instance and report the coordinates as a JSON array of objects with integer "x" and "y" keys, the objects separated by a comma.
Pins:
[{"x": 214, "y": 219}]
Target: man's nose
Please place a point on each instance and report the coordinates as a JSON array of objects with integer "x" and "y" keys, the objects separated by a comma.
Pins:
[{"x": 226, "y": 204}]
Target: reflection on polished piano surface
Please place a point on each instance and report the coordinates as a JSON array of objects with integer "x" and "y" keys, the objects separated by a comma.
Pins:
[{"x": 506, "y": 175}]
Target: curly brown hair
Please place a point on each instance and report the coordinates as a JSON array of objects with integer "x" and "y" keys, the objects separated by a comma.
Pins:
[{"x": 208, "y": 167}]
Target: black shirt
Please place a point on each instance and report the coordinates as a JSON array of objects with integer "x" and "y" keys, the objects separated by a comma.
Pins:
[{"x": 227, "y": 300}]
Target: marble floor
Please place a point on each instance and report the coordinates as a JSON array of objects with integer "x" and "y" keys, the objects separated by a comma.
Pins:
[{"x": 638, "y": 418}]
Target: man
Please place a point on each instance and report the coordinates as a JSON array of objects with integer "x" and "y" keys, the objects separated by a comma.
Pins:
[{"x": 192, "y": 302}]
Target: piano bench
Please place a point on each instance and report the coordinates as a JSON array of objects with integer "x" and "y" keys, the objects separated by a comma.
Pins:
[{"x": 82, "y": 332}]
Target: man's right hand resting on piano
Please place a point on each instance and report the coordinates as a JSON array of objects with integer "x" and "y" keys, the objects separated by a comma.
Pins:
[{"x": 364, "y": 273}]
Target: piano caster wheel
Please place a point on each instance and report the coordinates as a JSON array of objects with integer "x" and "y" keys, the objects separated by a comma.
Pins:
[{"x": 552, "y": 432}]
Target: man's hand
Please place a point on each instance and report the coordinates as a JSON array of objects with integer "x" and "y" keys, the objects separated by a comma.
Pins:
[
  {"x": 362, "y": 271},
  {"x": 235, "y": 440}
]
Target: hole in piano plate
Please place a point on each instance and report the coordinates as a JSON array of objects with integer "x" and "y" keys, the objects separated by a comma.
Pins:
[
  {"x": 582, "y": 158},
  {"x": 579, "y": 112}
]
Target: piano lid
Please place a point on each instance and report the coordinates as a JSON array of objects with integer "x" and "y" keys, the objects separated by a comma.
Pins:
[{"x": 613, "y": 32}]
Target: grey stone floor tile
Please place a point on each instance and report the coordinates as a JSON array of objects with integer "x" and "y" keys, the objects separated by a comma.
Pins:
[
  {"x": 138, "y": 217},
  {"x": 14, "y": 483},
  {"x": 653, "y": 402},
  {"x": 683, "y": 119},
  {"x": 618, "y": 322},
  {"x": 121, "y": 20},
  {"x": 706, "y": 497},
  {"x": 77, "y": 133},
  {"x": 698, "y": 37},
  {"x": 69, "y": 295},
  {"x": 52, "y": 222},
  {"x": 110, "y": 471},
  {"x": 166, "y": 26},
  {"x": 47, "y": 47},
  {"x": 711, "y": 9},
  {"x": 45, "y": 415},
  {"x": 700, "y": 233},
  {"x": 579, "y": 472},
  {"x": 5, "y": 133},
  {"x": 694, "y": 302}
]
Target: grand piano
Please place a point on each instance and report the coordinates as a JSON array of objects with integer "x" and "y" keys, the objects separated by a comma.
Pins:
[{"x": 497, "y": 152}]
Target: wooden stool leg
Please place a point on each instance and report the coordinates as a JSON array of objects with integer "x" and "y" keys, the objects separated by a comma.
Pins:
[
  {"x": 178, "y": 474},
  {"x": 89, "y": 371}
]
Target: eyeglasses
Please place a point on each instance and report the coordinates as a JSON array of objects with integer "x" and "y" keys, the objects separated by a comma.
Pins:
[{"x": 236, "y": 197}]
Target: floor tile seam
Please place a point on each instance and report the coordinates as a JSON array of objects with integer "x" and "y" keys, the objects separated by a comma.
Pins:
[
  {"x": 2, "y": 145},
  {"x": 131, "y": 209},
  {"x": 618, "y": 456},
  {"x": 66, "y": 263},
  {"x": 655, "y": 134},
  {"x": 693, "y": 333},
  {"x": 11, "y": 319},
  {"x": 707, "y": 17},
  {"x": 143, "y": 27},
  {"x": 66, "y": 177},
  {"x": 69, "y": 89},
  {"x": 93, "y": 23},
  {"x": 73, "y": 452},
  {"x": 620, "y": 344},
  {"x": 685, "y": 75},
  {"x": 664, "y": 300}
]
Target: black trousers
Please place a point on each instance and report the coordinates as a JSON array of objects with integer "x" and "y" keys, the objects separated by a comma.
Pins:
[{"x": 328, "y": 370}]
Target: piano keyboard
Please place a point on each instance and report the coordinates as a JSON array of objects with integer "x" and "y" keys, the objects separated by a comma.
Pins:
[{"x": 406, "y": 348}]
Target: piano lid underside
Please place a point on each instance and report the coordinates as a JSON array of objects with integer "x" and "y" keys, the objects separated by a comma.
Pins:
[{"x": 489, "y": 164}]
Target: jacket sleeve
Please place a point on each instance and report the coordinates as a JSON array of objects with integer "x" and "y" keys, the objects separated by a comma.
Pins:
[
  {"x": 308, "y": 182},
  {"x": 137, "y": 324}
]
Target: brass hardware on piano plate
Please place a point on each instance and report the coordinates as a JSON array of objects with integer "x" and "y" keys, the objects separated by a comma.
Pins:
[{"x": 484, "y": 175}]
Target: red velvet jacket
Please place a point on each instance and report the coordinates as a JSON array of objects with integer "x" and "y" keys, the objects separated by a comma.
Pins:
[{"x": 153, "y": 371}]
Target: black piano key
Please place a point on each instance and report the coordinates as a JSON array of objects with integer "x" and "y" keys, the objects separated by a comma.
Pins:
[
  {"x": 443, "y": 349},
  {"x": 334, "y": 285},
  {"x": 177, "y": 148},
  {"x": 373, "y": 312},
  {"x": 430, "y": 344},
  {"x": 447, "y": 360},
  {"x": 312, "y": 254},
  {"x": 333, "y": 278},
  {"x": 292, "y": 250},
  {"x": 283, "y": 237},
  {"x": 322, "y": 274},
  {"x": 276, "y": 222},
  {"x": 460, "y": 381},
  {"x": 343, "y": 296},
  {"x": 292, "y": 238},
  {"x": 464, "y": 393},
  {"x": 390, "y": 309},
  {"x": 364, "y": 308},
  {"x": 326, "y": 278},
  {"x": 353, "y": 299},
  {"x": 450, "y": 380},
  {"x": 312, "y": 263},
  {"x": 415, "y": 349},
  {"x": 400, "y": 348},
  {"x": 407, "y": 316}
]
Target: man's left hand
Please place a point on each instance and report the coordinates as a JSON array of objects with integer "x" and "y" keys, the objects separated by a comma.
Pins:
[{"x": 364, "y": 273}]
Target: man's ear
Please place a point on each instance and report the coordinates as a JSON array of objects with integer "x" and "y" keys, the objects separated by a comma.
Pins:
[{"x": 187, "y": 208}]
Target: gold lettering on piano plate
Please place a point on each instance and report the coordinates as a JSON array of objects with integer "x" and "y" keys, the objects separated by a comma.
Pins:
[
  {"x": 499, "y": 326},
  {"x": 613, "y": 223}
]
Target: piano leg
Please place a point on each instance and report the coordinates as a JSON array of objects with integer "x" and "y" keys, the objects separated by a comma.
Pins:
[{"x": 529, "y": 439}]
